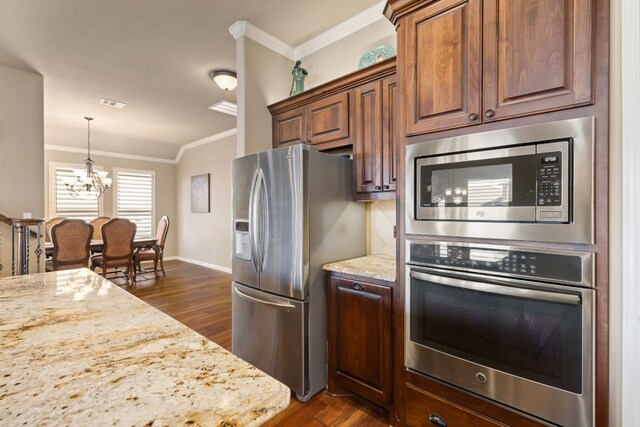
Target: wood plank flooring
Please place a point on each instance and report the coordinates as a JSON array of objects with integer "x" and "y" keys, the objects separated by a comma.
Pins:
[{"x": 200, "y": 298}]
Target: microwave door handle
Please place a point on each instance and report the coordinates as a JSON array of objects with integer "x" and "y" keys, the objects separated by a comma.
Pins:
[
  {"x": 499, "y": 289},
  {"x": 261, "y": 301},
  {"x": 253, "y": 226}
]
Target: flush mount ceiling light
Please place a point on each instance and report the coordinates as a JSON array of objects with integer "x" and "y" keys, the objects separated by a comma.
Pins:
[
  {"x": 226, "y": 79},
  {"x": 88, "y": 183}
]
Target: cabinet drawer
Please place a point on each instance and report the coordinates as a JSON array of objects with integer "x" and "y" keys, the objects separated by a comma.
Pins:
[{"x": 428, "y": 410}]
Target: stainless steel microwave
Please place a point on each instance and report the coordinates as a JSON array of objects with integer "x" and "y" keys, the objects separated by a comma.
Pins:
[{"x": 526, "y": 183}]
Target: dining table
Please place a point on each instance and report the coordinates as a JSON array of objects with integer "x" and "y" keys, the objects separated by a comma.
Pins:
[{"x": 96, "y": 245}]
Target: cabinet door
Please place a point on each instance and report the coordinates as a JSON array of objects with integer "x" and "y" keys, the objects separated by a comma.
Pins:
[
  {"x": 537, "y": 56},
  {"x": 329, "y": 121},
  {"x": 428, "y": 410},
  {"x": 443, "y": 66},
  {"x": 289, "y": 127},
  {"x": 360, "y": 338},
  {"x": 390, "y": 135},
  {"x": 367, "y": 147}
]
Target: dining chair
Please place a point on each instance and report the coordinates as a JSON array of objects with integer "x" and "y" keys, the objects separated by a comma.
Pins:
[
  {"x": 117, "y": 248},
  {"x": 97, "y": 225},
  {"x": 71, "y": 239},
  {"x": 154, "y": 253},
  {"x": 50, "y": 223}
]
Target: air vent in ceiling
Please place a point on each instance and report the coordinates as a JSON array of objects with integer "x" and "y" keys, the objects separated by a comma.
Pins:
[
  {"x": 225, "y": 107},
  {"x": 112, "y": 103}
]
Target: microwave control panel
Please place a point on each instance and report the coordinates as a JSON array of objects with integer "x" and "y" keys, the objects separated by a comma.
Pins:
[
  {"x": 504, "y": 261},
  {"x": 549, "y": 179}
]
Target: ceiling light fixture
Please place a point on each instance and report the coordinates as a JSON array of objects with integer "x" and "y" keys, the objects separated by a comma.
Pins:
[
  {"x": 226, "y": 79},
  {"x": 87, "y": 183}
]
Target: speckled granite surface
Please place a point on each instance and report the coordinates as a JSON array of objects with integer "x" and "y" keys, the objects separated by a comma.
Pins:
[
  {"x": 77, "y": 350},
  {"x": 381, "y": 267}
]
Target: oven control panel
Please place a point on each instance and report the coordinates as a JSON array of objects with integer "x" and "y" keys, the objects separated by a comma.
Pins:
[{"x": 560, "y": 266}]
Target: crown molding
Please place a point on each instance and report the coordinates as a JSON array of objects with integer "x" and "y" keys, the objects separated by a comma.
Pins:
[
  {"x": 344, "y": 29},
  {"x": 51, "y": 147},
  {"x": 247, "y": 29},
  {"x": 204, "y": 141},
  {"x": 357, "y": 22},
  {"x": 183, "y": 148}
]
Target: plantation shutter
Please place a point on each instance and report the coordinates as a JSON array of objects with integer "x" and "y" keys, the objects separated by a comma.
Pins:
[
  {"x": 134, "y": 200},
  {"x": 86, "y": 208}
]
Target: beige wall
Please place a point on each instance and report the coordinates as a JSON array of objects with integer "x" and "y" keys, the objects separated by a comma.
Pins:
[
  {"x": 206, "y": 237},
  {"x": 265, "y": 77},
  {"x": 21, "y": 143},
  {"x": 165, "y": 186},
  {"x": 342, "y": 57}
]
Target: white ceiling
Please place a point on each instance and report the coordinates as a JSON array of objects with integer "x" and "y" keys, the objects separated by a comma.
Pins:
[{"x": 154, "y": 55}]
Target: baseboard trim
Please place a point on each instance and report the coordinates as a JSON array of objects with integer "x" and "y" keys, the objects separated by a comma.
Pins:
[{"x": 200, "y": 263}]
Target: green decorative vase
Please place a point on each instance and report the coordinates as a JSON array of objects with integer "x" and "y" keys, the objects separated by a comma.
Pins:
[{"x": 299, "y": 74}]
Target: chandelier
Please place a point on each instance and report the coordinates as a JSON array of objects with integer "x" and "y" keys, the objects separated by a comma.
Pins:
[{"x": 87, "y": 183}]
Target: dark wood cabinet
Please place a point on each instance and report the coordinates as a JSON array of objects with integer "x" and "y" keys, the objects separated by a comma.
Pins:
[
  {"x": 329, "y": 120},
  {"x": 466, "y": 62},
  {"x": 360, "y": 338},
  {"x": 289, "y": 127},
  {"x": 324, "y": 116},
  {"x": 376, "y": 139},
  {"x": 428, "y": 410},
  {"x": 443, "y": 66},
  {"x": 536, "y": 56}
]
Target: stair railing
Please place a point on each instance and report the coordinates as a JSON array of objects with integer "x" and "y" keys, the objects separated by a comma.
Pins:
[{"x": 21, "y": 233}]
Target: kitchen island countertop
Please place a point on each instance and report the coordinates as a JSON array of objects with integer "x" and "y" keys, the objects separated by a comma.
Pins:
[
  {"x": 377, "y": 266},
  {"x": 76, "y": 349}
]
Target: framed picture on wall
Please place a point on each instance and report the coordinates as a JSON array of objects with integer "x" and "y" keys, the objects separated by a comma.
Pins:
[{"x": 200, "y": 193}]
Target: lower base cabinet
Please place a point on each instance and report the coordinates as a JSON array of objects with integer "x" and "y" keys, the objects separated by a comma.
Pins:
[
  {"x": 360, "y": 338},
  {"x": 428, "y": 410}
]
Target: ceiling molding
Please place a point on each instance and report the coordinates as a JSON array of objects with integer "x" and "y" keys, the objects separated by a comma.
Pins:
[
  {"x": 247, "y": 29},
  {"x": 107, "y": 154},
  {"x": 204, "y": 141},
  {"x": 183, "y": 148},
  {"x": 354, "y": 24}
]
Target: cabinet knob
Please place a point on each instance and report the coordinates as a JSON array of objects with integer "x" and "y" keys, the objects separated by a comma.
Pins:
[
  {"x": 437, "y": 420},
  {"x": 356, "y": 286},
  {"x": 386, "y": 187},
  {"x": 489, "y": 113},
  {"x": 473, "y": 117},
  {"x": 377, "y": 187}
]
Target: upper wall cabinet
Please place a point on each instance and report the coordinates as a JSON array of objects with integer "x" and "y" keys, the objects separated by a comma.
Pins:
[
  {"x": 470, "y": 61},
  {"x": 324, "y": 116}
]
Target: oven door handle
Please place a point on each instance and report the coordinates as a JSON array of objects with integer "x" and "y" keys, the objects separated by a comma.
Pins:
[{"x": 534, "y": 294}]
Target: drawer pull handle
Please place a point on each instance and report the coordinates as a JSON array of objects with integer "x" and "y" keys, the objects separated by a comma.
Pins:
[
  {"x": 356, "y": 286},
  {"x": 437, "y": 420}
]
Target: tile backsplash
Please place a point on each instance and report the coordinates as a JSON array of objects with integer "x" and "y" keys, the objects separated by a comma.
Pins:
[{"x": 381, "y": 219}]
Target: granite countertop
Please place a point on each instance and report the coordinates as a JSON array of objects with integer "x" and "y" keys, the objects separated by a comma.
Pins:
[
  {"x": 380, "y": 266},
  {"x": 77, "y": 350}
]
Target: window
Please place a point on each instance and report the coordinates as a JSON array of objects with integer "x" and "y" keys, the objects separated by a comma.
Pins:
[
  {"x": 61, "y": 203},
  {"x": 135, "y": 199}
]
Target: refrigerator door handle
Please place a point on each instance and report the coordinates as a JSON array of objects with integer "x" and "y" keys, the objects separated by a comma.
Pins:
[
  {"x": 253, "y": 218},
  {"x": 264, "y": 219},
  {"x": 286, "y": 306}
]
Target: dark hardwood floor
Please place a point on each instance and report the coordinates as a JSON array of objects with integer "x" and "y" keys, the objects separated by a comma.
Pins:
[{"x": 200, "y": 298}]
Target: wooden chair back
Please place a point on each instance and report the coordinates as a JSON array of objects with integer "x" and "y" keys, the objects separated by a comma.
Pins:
[
  {"x": 118, "y": 235},
  {"x": 71, "y": 239},
  {"x": 162, "y": 230},
  {"x": 50, "y": 223},
  {"x": 97, "y": 226}
]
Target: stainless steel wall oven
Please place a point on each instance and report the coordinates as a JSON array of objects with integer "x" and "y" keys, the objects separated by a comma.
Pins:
[
  {"x": 526, "y": 183},
  {"x": 512, "y": 324}
]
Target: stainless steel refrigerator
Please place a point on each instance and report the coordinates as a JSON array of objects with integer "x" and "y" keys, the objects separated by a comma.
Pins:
[{"x": 293, "y": 211}]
